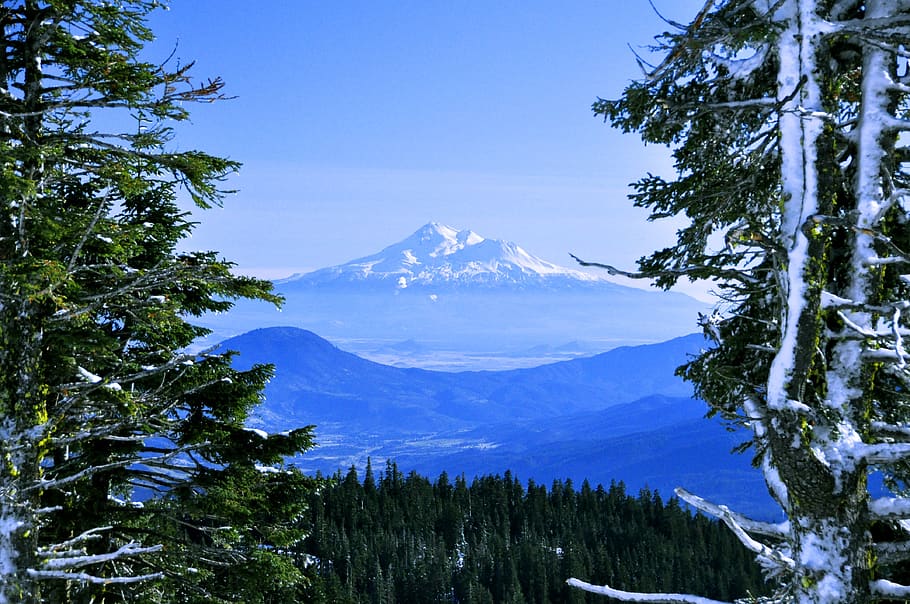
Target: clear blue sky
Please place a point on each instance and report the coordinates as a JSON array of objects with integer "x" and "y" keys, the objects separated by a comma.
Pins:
[{"x": 359, "y": 121}]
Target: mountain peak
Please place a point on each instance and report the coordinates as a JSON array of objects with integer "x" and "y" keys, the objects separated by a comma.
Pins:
[
  {"x": 438, "y": 240},
  {"x": 437, "y": 254}
]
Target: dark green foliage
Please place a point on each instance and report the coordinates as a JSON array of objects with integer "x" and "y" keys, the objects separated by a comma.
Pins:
[
  {"x": 406, "y": 539},
  {"x": 230, "y": 542},
  {"x": 787, "y": 124},
  {"x": 101, "y": 406}
]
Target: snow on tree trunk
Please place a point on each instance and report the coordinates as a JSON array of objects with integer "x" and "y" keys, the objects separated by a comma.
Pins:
[
  {"x": 825, "y": 491},
  {"x": 810, "y": 192}
]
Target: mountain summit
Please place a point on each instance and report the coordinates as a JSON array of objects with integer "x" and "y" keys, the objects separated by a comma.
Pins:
[
  {"x": 450, "y": 299},
  {"x": 437, "y": 255}
]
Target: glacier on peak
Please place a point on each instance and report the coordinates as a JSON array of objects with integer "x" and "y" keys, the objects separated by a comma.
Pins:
[{"x": 439, "y": 254}]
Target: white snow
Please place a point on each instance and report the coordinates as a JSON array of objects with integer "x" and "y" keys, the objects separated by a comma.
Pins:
[
  {"x": 798, "y": 141},
  {"x": 438, "y": 253},
  {"x": 88, "y": 376},
  {"x": 9, "y": 526},
  {"x": 890, "y": 507},
  {"x": 890, "y": 589},
  {"x": 628, "y": 596},
  {"x": 258, "y": 432},
  {"x": 408, "y": 257}
]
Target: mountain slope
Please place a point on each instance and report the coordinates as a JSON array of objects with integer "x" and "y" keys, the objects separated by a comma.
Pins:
[
  {"x": 619, "y": 415},
  {"x": 437, "y": 255},
  {"x": 316, "y": 381},
  {"x": 691, "y": 452}
]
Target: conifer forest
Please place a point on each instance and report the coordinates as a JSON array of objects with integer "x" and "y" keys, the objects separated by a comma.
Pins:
[{"x": 396, "y": 538}]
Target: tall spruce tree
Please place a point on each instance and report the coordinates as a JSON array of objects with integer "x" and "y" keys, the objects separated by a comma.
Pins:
[
  {"x": 785, "y": 117},
  {"x": 122, "y": 459}
]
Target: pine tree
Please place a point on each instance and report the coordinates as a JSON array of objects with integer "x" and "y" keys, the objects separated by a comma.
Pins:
[
  {"x": 99, "y": 406},
  {"x": 785, "y": 119}
]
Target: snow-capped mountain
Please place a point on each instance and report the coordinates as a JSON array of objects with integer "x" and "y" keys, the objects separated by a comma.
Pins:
[
  {"x": 437, "y": 254},
  {"x": 444, "y": 298}
]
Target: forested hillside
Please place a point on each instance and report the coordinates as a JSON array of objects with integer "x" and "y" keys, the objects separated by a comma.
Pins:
[{"x": 400, "y": 538}]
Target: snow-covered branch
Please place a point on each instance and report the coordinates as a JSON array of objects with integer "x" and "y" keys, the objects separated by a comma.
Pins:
[
  {"x": 772, "y": 560},
  {"x": 740, "y": 67},
  {"x": 886, "y": 260},
  {"x": 860, "y": 329},
  {"x": 870, "y": 26},
  {"x": 890, "y": 508},
  {"x": 891, "y": 552},
  {"x": 881, "y": 355},
  {"x": 888, "y": 589},
  {"x": 631, "y": 596},
  {"x": 883, "y": 453},
  {"x": 829, "y": 300},
  {"x": 884, "y": 429},
  {"x": 768, "y": 529},
  {"x": 59, "y": 575},
  {"x": 82, "y": 559},
  {"x": 89, "y": 535}
]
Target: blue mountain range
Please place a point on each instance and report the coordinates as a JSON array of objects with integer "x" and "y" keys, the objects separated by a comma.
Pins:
[{"x": 620, "y": 415}]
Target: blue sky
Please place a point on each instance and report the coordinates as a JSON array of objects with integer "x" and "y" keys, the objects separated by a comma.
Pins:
[{"x": 359, "y": 121}]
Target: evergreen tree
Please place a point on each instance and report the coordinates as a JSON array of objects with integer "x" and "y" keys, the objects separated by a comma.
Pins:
[
  {"x": 99, "y": 406},
  {"x": 785, "y": 117},
  {"x": 439, "y": 543}
]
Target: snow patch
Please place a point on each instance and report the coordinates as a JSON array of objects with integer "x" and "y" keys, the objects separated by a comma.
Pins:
[
  {"x": 88, "y": 376},
  {"x": 258, "y": 432}
]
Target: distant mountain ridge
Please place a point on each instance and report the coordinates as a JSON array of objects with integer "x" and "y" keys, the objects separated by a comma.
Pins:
[
  {"x": 439, "y": 255},
  {"x": 316, "y": 380},
  {"x": 620, "y": 415}
]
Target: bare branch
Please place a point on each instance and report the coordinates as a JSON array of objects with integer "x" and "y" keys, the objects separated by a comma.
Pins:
[{"x": 716, "y": 272}]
